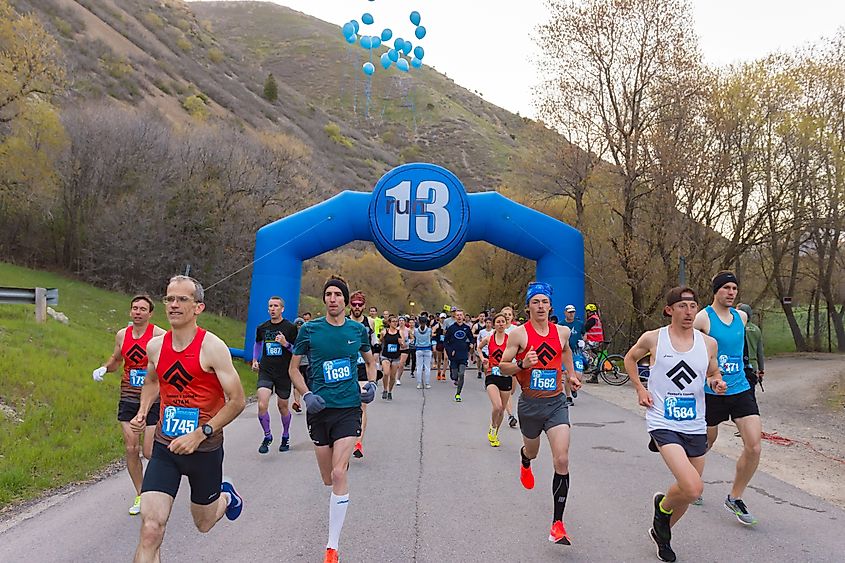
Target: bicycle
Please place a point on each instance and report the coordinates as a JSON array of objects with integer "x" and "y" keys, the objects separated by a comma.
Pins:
[{"x": 610, "y": 367}]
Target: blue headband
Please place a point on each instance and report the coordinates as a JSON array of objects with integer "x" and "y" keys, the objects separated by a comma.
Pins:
[{"x": 538, "y": 288}]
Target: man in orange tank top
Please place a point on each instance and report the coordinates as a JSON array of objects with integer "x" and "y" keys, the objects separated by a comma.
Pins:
[
  {"x": 130, "y": 349},
  {"x": 201, "y": 393},
  {"x": 538, "y": 353}
]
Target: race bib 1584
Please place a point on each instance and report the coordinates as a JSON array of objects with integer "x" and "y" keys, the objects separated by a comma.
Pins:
[{"x": 679, "y": 408}]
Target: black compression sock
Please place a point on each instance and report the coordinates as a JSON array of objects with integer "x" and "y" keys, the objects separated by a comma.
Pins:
[
  {"x": 526, "y": 463},
  {"x": 560, "y": 489}
]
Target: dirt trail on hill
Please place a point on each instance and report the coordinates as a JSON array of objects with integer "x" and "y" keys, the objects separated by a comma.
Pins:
[{"x": 803, "y": 412}]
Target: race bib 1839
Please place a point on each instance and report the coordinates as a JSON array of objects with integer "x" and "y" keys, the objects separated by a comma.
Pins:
[
  {"x": 679, "y": 408},
  {"x": 337, "y": 370},
  {"x": 543, "y": 380},
  {"x": 179, "y": 420},
  {"x": 136, "y": 377}
]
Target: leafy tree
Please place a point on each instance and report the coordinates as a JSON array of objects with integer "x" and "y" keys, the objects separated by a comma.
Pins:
[{"x": 271, "y": 89}]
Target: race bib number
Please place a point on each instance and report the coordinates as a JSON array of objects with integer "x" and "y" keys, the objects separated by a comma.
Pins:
[
  {"x": 179, "y": 421},
  {"x": 442, "y": 338},
  {"x": 337, "y": 370},
  {"x": 543, "y": 380},
  {"x": 579, "y": 362},
  {"x": 273, "y": 348},
  {"x": 392, "y": 348},
  {"x": 679, "y": 408},
  {"x": 360, "y": 359},
  {"x": 137, "y": 377},
  {"x": 496, "y": 371},
  {"x": 730, "y": 364}
]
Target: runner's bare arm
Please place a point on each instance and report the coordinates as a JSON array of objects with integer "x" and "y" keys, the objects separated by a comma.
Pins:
[
  {"x": 484, "y": 341},
  {"x": 116, "y": 358},
  {"x": 702, "y": 322},
  {"x": 295, "y": 375},
  {"x": 158, "y": 331},
  {"x": 517, "y": 340},
  {"x": 370, "y": 361},
  {"x": 149, "y": 392},
  {"x": 646, "y": 344},
  {"x": 563, "y": 333},
  {"x": 714, "y": 374}
]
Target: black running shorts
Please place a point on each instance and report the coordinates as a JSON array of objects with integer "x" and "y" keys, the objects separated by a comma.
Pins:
[
  {"x": 542, "y": 414},
  {"x": 503, "y": 383},
  {"x": 721, "y": 407},
  {"x": 203, "y": 469},
  {"x": 126, "y": 411},
  {"x": 275, "y": 382},
  {"x": 330, "y": 425},
  {"x": 695, "y": 445}
]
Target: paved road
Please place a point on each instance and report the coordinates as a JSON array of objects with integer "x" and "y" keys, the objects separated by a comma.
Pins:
[{"x": 431, "y": 489}]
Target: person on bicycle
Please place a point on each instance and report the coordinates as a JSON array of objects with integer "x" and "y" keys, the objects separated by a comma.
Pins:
[
  {"x": 576, "y": 342},
  {"x": 593, "y": 333}
]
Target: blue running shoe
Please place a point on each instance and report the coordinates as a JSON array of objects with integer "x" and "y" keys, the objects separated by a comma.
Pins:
[{"x": 236, "y": 503}]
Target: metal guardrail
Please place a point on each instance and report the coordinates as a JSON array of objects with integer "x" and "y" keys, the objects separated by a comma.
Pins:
[{"x": 26, "y": 296}]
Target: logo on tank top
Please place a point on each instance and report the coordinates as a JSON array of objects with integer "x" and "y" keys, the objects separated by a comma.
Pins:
[
  {"x": 681, "y": 375},
  {"x": 545, "y": 353},
  {"x": 497, "y": 355},
  {"x": 178, "y": 377},
  {"x": 136, "y": 354}
]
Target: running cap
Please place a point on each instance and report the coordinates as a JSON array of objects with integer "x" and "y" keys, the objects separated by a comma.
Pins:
[
  {"x": 442, "y": 315},
  {"x": 569, "y": 309},
  {"x": 677, "y": 294},
  {"x": 538, "y": 288},
  {"x": 722, "y": 278},
  {"x": 339, "y": 283}
]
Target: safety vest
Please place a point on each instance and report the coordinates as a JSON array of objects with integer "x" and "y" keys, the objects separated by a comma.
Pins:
[{"x": 595, "y": 334}]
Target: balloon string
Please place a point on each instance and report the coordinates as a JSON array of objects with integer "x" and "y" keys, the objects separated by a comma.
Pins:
[
  {"x": 287, "y": 242},
  {"x": 595, "y": 281}
]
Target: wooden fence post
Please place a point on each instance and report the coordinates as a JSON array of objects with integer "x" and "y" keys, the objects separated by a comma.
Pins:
[{"x": 40, "y": 304}]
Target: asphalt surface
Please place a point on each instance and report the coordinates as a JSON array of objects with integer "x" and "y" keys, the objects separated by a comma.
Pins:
[{"x": 431, "y": 489}]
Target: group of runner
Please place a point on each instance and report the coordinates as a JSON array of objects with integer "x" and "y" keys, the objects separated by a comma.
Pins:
[{"x": 180, "y": 389}]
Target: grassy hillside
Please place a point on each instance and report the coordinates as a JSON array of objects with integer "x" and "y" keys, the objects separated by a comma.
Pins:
[{"x": 57, "y": 425}]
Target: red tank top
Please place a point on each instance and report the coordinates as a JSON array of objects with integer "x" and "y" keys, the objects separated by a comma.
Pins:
[
  {"x": 545, "y": 379},
  {"x": 184, "y": 386},
  {"x": 134, "y": 354},
  {"x": 495, "y": 352}
]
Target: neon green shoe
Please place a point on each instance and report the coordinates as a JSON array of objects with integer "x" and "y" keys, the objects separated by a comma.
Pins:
[{"x": 135, "y": 509}]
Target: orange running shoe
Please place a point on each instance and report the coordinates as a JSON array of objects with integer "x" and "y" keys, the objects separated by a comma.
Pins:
[
  {"x": 526, "y": 477},
  {"x": 359, "y": 450},
  {"x": 331, "y": 556},
  {"x": 558, "y": 534}
]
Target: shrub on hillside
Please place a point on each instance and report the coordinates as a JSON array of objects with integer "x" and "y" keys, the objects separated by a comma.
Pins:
[{"x": 332, "y": 129}]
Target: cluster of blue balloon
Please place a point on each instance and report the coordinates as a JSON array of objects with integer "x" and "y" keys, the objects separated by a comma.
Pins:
[{"x": 396, "y": 55}]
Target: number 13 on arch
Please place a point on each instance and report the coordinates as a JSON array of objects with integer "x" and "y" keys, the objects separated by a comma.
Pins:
[{"x": 419, "y": 216}]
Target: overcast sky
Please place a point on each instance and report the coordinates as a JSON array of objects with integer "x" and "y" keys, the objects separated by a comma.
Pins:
[{"x": 488, "y": 47}]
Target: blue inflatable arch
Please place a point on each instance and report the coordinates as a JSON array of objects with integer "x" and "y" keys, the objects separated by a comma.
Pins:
[{"x": 419, "y": 216}]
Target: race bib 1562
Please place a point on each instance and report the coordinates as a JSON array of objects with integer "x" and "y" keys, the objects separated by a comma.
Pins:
[{"x": 543, "y": 380}]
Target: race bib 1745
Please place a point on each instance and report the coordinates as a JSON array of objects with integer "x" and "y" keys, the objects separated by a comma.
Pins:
[{"x": 179, "y": 420}]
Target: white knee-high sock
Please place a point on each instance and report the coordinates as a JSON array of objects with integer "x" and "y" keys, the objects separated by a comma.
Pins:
[{"x": 337, "y": 514}]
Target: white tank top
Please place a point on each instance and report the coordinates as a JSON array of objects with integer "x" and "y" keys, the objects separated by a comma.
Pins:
[{"x": 676, "y": 383}]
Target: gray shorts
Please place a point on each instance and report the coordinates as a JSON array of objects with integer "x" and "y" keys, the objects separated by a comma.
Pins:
[{"x": 540, "y": 415}]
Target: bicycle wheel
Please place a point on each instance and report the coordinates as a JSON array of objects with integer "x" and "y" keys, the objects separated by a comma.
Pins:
[{"x": 612, "y": 370}]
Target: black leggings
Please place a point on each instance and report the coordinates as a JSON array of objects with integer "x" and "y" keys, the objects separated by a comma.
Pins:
[{"x": 456, "y": 372}]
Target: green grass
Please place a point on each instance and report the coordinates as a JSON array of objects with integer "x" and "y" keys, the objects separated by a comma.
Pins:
[
  {"x": 63, "y": 426},
  {"x": 777, "y": 338}
]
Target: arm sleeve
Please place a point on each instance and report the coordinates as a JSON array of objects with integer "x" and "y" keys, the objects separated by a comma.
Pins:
[
  {"x": 256, "y": 351},
  {"x": 589, "y": 324}
]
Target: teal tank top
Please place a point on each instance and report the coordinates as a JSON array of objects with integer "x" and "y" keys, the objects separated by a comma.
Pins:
[{"x": 731, "y": 341}]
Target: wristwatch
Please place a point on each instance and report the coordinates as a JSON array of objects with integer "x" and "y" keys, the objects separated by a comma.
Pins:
[
  {"x": 207, "y": 430},
  {"x": 519, "y": 364}
]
